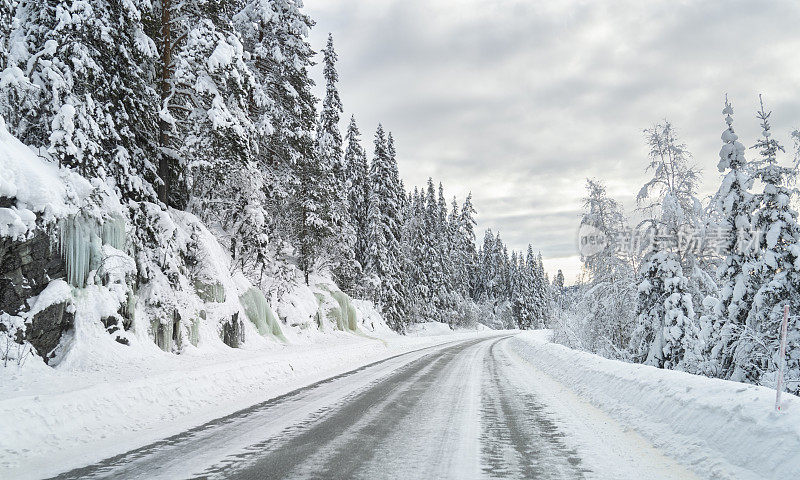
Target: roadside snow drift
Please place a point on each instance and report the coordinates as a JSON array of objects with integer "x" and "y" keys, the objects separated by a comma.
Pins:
[{"x": 722, "y": 429}]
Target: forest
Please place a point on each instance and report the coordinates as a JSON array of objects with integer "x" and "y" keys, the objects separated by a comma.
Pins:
[
  {"x": 696, "y": 284},
  {"x": 207, "y": 107}
]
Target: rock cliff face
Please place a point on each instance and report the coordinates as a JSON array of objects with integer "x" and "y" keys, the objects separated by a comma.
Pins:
[
  {"x": 44, "y": 330},
  {"x": 26, "y": 268}
]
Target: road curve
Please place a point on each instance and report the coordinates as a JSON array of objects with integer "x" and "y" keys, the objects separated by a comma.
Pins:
[{"x": 453, "y": 412}]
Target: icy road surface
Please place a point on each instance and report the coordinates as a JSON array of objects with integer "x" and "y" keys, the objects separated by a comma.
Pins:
[{"x": 474, "y": 409}]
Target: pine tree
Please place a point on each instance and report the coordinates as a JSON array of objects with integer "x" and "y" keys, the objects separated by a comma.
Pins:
[
  {"x": 487, "y": 269},
  {"x": 7, "y": 9},
  {"x": 460, "y": 261},
  {"x": 357, "y": 186},
  {"x": 558, "y": 290},
  {"x": 385, "y": 193},
  {"x": 469, "y": 255},
  {"x": 542, "y": 294},
  {"x": 274, "y": 34},
  {"x": 432, "y": 254},
  {"x": 523, "y": 298},
  {"x": 735, "y": 204},
  {"x": 665, "y": 329},
  {"x": 415, "y": 249},
  {"x": 376, "y": 264},
  {"x": 207, "y": 135},
  {"x": 666, "y": 333},
  {"x": 325, "y": 196},
  {"x": 775, "y": 272},
  {"x": 87, "y": 98}
]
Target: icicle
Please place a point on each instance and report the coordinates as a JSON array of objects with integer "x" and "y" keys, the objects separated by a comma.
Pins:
[
  {"x": 259, "y": 312},
  {"x": 210, "y": 292},
  {"x": 347, "y": 319},
  {"x": 194, "y": 329},
  {"x": 162, "y": 334},
  {"x": 114, "y": 232},
  {"x": 80, "y": 247}
]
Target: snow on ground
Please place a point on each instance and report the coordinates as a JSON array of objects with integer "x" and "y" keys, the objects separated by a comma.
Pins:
[
  {"x": 56, "y": 419},
  {"x": 721, "y": 429},
  {"x": 439, "y": 328}
]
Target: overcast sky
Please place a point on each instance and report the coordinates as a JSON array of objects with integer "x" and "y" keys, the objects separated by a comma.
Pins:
[{"x": 520, "y": 101}]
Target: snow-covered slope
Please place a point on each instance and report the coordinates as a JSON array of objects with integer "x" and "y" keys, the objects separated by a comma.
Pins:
[
  {"x": 723, "y": 429},
  {"x": 139, "y": 278}
]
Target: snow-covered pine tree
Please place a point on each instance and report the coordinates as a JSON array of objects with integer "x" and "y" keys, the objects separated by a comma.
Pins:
[
  {"x": 357, "y": 187},
  {"x": 688, "y": 222},
  {"x": 558, "y": 281},
  {"x": 395, "y": 211},
  {"x": 376, "y": 263},
  {"x": 274, "y": 34},
  {"x": 542, "y": 294},
  {"x": 775, "y": 272},
  {"x": 523, "y": 301},
  {"x": 432, "y": 257},
  {"x": 86, "y": 98},
  {"x": 558, "y": 291},
  {"x": 206, "y": 130},
  {"x": 388, "y": 267},
  {"x": 458, "y": 253},
  {"x": 734, "y": 203},
  {"x": 469, "y": 255},
  {"x": 445, "y": 303},
  {"x": 665, "y": 329},
  {"x": 487, "y": 270},
  {"x": 7, "y": 8},
  {"x": 328, "y": 189},
  {"x": 504, "y": 279},
  {"x": 415, "y": 238}
]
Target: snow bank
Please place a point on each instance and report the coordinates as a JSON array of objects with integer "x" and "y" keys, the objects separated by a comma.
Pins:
[
  {"x": 722, "y": 429},
  {"x": 66, "y": 418}
]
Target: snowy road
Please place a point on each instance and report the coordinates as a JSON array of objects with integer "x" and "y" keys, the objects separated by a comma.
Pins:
[{"x": 474, "y": 409}]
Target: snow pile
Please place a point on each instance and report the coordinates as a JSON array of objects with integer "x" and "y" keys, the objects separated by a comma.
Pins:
[{"x": 724, "y": 429}]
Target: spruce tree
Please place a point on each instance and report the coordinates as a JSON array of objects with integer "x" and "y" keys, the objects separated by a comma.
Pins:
[
  {"x": 558, "y": 291},
  {"x": 775, "y": 272},
  {"x": 666, "y": 333},
  {"x": 542, "y": 293},
  {"x": 357, "y": 186},
  {"x": 7, "y": 8},
  {"x": 734, "y": 203},
  {"x": 386, "y": 198},
  {"x": 469, "y": 254},
  {"x": 326, "y": 193},
  {"x": 665, "y": 328},
  {"x": 274, "y": 34},
  {"x": 207, "y": 133},
  {"x": 87, "y": 99}
]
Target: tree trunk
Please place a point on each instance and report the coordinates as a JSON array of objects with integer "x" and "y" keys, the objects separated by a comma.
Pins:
[{"x": 166, "y": 74}]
